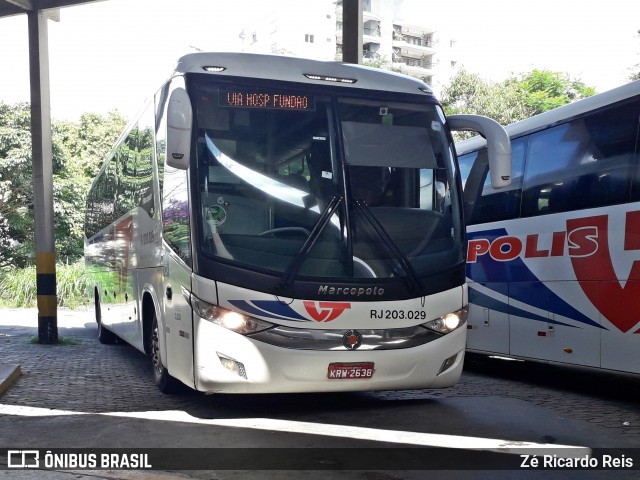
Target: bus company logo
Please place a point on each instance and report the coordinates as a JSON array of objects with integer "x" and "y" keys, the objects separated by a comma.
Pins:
[
  {"x": 353, "y": 291},
  {"x": 581, "y": 242},
  {"x": 586, "y": 243},
  {"x": 352, "y": 340},
  {"x": 278, "y": 310},
  {"x": 325, "y": 311}
]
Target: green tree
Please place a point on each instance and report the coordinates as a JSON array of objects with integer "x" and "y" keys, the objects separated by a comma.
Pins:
[
  {"x": 16, "y": 185},
  {"x": 514, "y": 99},
  {"x": 90, "y": 140},
  {"x": 468, "y": 93},
  {"x": 78, "y": 149},
  {"x": 546, "y": 90},
  {"x": 83, "y": 147}
]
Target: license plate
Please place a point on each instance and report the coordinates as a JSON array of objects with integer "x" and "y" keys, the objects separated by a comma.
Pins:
[{"x": 350, "y": 371}]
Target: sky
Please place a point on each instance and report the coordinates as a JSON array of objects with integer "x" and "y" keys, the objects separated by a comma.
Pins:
[{"x": 111, "y": 55}]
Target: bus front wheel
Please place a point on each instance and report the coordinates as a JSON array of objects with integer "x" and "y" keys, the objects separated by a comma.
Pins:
[{"x": 163, "y": 380}]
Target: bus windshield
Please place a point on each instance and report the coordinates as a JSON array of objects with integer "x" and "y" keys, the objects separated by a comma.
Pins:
[{"x": 303, "y": 184}]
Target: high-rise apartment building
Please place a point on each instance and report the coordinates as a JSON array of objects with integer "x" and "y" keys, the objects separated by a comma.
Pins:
[
  {"x": 307, "y": 30},
  {"x": 388, "y": 41}
]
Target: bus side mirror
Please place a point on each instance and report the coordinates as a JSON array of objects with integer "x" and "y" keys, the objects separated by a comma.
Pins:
[
  {"x": 498, "y": 144},
  {"x": 179, "y": 123}
]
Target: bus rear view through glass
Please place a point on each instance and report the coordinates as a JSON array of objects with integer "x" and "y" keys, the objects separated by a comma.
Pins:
[{"x": 310, "y": 235}]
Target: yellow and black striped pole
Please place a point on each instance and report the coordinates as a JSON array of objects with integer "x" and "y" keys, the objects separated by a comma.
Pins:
[
  {"x": 47, "y": 297},
  {"x": 42, "y": 161}
]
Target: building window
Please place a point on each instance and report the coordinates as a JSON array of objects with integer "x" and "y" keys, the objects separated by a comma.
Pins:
[{"x": 308, "y": 38}]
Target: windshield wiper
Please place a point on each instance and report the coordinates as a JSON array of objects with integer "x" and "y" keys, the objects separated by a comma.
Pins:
[
  {"x": 325, "y": 218},
  {"x": 296, "y": 263},
  {"x": 412, "y": 276}
]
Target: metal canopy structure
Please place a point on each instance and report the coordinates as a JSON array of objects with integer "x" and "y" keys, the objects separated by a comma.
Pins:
[
  {"x": 16, "y": 7},
  {"x": 38, "y": 13}
]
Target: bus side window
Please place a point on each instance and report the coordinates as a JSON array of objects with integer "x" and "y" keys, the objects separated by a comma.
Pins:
[
  {"x": 175, "y": 213},
  {"x": 582, "y": 164}
]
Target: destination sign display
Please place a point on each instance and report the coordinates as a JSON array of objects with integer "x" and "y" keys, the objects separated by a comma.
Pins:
[{"x": 263, "y": 99}]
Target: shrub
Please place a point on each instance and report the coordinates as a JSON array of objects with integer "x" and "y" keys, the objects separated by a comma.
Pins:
[{"x": 18, "y": 287}]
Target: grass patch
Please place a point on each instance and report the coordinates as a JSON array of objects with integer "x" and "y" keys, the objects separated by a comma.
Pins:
[
  {"x": 18, "y": 287},
  {"x": 65, "y": 341}
]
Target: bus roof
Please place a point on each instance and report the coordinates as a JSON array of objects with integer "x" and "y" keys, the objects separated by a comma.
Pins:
[
  {"x": 557, "y": 115},
  {"x": 276, "y": 67}
]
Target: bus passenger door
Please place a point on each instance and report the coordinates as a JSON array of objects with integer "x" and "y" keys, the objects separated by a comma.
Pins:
[
  {"x": 488, "y": 321},
  {"x": 178, "y": 322}
]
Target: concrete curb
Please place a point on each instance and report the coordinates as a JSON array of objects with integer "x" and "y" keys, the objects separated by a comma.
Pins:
[{"x": 8, "y": 375}]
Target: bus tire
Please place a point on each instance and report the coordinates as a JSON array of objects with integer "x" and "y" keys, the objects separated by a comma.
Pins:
[
  {"x": 163, "y": 380},
  {"x": 106, "y": 337}
]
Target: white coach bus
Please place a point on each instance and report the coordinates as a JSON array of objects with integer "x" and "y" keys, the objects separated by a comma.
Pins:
[
  {"x": 554, "y": 259},
  {"x": 270, "y": 224}
]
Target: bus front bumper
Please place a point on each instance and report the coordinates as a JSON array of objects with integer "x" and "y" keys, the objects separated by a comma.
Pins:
[{"x": 226, "y": 362}]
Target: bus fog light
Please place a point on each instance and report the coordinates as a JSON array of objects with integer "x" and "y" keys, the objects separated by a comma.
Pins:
[
  {"x": 233, "y": 366},
  {"x": 448, "y": 363},
  {"x": 449, "y": 322}
]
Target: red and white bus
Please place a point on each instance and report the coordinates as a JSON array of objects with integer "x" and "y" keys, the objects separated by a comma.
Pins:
[{"x": 554, "y": 259}]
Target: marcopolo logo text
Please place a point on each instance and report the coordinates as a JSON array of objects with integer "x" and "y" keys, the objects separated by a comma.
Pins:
[{"x": 351, "y": 291}]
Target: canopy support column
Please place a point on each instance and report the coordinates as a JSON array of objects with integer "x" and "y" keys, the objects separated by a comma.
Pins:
[
  {"x": 42, "y": 161},
  {"x": 352, "y": 31}
]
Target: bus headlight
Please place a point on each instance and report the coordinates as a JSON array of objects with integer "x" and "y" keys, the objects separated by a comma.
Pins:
[
  {"x": 449, "y": 322},
  {"x": 234, "y": 321}
]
